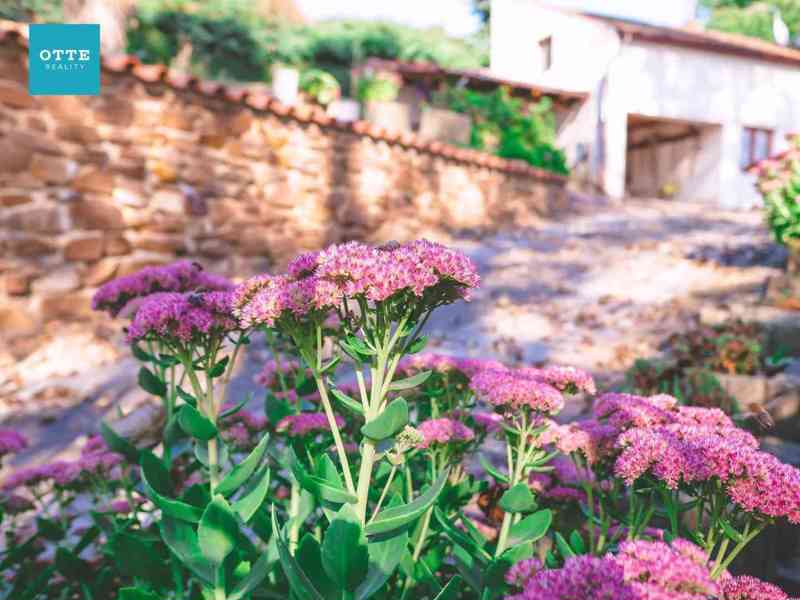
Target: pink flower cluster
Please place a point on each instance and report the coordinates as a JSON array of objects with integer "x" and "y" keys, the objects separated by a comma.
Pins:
[
  {"x": 565, "y": 379},
  {"x": 268, "y": 375},
  {"x": 489, "y": 422},
  {"x": 95, "y": 460},
  {"x": 444, "y": 431},
  {"x": 689, "y": 445},
  {"x": 182, "y": 317},
  {"x": 641, "y": 571},
  {"x": 321, "y": 281},
  {"x": 303, "y": 424},
  {"x": 242, "y": 429},
  {"x": 562, "y": 484},
  {"x": 516, "y": 388},
  {"x": 181, "y": 276},
  {"x": 11, "y": 442},
  {"x": 750, "y": 588},
  {"x": 593, "y": 439}
]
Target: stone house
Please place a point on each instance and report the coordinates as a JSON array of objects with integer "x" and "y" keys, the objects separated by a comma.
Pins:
[{"x": 671, "y": 109}]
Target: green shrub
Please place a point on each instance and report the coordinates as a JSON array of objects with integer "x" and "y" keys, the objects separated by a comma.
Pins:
[
  {"x": 321, "y": 86},
  {"x": 506, "y": 126},
  {"x": 779, "y": 183},
  {"x": 381, "y": 87}
]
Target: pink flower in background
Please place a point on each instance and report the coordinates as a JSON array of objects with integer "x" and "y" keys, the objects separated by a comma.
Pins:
[
  {"x": 641, "y": 571},
  {"x": 181, "y": 276},
  {"x": 750, "y": 588},
  {"x": 268, "y": 376},
  {"x": 565, "y": 379},
  {"x": 443, "y": 431},
  {"x": 304, "y": 423},
  {"x": 515, "y": 389},
  {"x": 626, "y": 410},
  {"x": 182, "y": 317},
  {"x": 489, "y": 422}
]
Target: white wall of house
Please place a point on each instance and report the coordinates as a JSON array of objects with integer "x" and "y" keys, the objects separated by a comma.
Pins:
[
  {"x": 708, "y": 88},
  {"x": 623, "y": 77}
]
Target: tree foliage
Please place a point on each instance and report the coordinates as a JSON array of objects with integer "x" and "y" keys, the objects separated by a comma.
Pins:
[
  {"x": 753, "y": 17},
  {"x": 229, "y": 39}
]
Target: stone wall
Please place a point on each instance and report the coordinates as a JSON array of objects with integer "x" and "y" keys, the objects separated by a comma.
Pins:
[{"x": 162, "y": 166}]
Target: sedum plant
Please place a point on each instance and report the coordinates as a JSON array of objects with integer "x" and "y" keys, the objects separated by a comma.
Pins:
[{"x": 374, "y": 470}]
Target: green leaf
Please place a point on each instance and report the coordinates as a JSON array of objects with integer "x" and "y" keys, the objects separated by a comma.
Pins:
[
  {"x": 181, "y": 539},
  {"x": 195, "y": 424},
  {"x": 347, "y": 401},
  {"x": 459, "y": 537},
  {"x": 489, "y": 468},
  {"x": 236, "y": 408},
  {"x": 576, "y": 542},
  {"x": 451, "y": 590},
  {"x": 118, "y": 443},
  {"x": 326, "y": 484},
  {"x": 136, "y": 593},
  {"x": 298, "y": 580},
  {"x": 518, "y": 499},
  {"x": 257, "y": 573},
  {"x": 730, "y": 531},
  {"x": 393, "y": 418},
  {"x": 141, "y": 355},
  {"x": 218, "y": 369},
  {"x": 251, "y": 501},
  {"x": 563, "y": 546},
  {"x": 157, "y": 486},
  {"x": 384, "y": 556},
  {"x": 391, "y": 519},
  {"x": 137, "y": 558},
  {"x": 71, "y": 566},
  {"x": 305, "y": 387},
  {"x": 531, "y": 528},
  {"x": 344, "y": 550},
  {"x": 218, "y": 531},
  {"x": 151, "y": 384},
  {"x": 309, "y": 554},
  {"x": 186, "y": 396},
  {"x": 331, "y": 364},
  {"x": 417, "y": 345},
  {"x": 409, "y": 382},
  {"x": 242, "y": 472}
]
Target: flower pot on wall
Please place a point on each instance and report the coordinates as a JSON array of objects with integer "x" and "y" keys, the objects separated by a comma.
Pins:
[
  {"x": 394, "y": 116},
  {"x": 445, "y": 126},
  {"x": 285, "y": 84},
  {"x": 344, "y": 109}
]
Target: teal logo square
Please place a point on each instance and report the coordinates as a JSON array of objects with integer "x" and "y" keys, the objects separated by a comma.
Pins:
[{"x": 64, "y": 60}]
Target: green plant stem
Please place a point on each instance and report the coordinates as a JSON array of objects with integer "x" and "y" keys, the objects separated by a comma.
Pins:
[
  {"x": 515, "y": 472},
  {"x": 389, "y": 480},
  {"x": 337, "y": 436}
]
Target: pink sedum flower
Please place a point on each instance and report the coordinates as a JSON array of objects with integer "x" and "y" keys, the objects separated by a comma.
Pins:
[
  {"x": 750, "y": 588},
  {"x": 515, "y": 389},
  {"x": 181, "y": 276},
  {"x": 182, "y": 317},
  {"x": 444, "y": 431},
  {"x": 304, "y": 424}
]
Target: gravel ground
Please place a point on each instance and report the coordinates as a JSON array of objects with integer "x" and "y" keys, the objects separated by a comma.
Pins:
[{"x": 595, "y": 290}]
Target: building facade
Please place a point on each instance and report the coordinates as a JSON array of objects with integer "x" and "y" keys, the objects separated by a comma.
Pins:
[{"x": 670, "y": 111}]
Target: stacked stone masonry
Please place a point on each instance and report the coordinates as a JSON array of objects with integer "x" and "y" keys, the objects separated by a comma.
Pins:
[{"x": 161, "y": 166}]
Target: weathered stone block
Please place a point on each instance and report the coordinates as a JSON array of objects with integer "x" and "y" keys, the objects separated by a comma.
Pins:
[
  {"x": 17, "y": 283},
  {"x": 7, "y": 200},
  {"x": 94, "y": 179},
  {"x": 81, "y": 134},
  {"x": 53, "y": 169},
  {"x": 35, "y": 219},
  {"x": 96, "y": 214},
  {"x": 158, "y": 242},
  {"x": 61, "y": 281},
  {"x": 14, "y": 94},
  {"x": 116, "y": 245},
  {"x": 86, "y": 248},
  {"x": 100, "y": 272},
  {"x": 28, "y": 246}
]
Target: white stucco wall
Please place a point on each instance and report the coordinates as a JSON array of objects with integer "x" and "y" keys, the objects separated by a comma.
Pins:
[{"x": 716, "y": 89}]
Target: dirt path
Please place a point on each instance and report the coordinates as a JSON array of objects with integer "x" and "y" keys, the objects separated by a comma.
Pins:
[{"x": 596, "y": 290}]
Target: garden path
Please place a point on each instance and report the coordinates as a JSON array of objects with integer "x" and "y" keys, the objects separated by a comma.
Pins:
[{"x": 595, "y": 290}]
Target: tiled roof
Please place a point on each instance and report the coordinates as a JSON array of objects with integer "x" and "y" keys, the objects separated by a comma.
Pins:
[
  {"x": 478, "y": 76},
  {"x": 706, "y": 40},
  {"x": 261, "y": 101}
]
